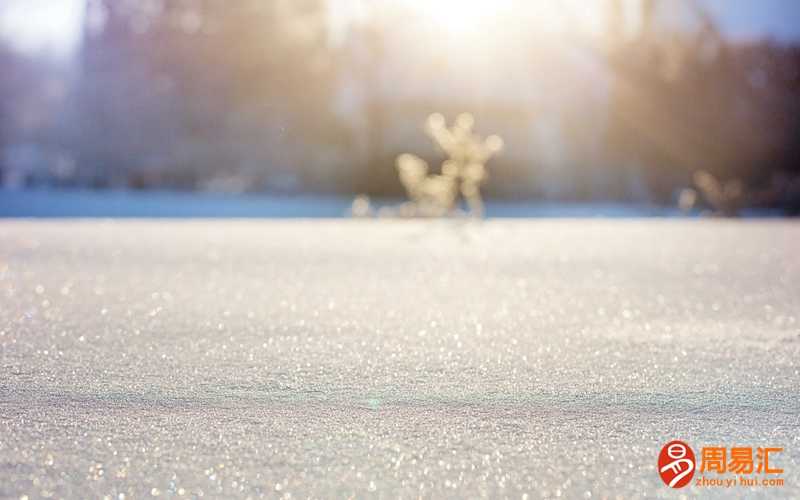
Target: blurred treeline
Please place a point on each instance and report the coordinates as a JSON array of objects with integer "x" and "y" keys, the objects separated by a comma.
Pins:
[
  {"x": 267, "y": 96},
  {"x": 700, "y": 103}
]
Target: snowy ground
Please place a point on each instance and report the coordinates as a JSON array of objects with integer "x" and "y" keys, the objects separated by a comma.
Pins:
[{"x": 391, "y": 358}]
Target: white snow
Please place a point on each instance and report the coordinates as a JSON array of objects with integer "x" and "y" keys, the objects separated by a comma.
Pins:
[{"x": 391, "y": 358}]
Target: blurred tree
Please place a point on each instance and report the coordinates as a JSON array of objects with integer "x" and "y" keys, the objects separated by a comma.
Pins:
[
  {"x": 32, "y": 92},
  {"x": 687, "y": 101},
  {"x": 191, "y": 90}
]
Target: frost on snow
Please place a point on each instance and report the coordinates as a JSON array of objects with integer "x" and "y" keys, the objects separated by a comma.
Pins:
[{"x": 400, "y": 358}]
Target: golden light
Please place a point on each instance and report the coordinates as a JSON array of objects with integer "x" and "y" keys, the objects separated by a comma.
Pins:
[
  {"x": 460, "y": 16},
  {"x": 471, "y": 17}
]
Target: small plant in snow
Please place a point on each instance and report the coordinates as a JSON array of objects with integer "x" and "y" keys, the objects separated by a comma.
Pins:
[
  {"x": 724, "y": 198},
  {"x": 462, "y": 173}
]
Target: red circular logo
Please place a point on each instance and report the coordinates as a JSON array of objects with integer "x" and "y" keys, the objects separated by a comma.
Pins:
[{"x": 676, "y": 464}]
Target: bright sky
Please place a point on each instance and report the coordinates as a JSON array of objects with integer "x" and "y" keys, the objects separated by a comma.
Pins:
[
  {"x": 41, "y": 24},
  {"x": 752, "y": 18},
  {"x": 55, "y": 24}
]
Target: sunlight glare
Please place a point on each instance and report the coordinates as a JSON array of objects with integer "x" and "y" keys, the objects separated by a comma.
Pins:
[
  {"x": 459, "y": 16},
  {"x": 33, "y": 25},
  {"x": 465, "y": 17}
]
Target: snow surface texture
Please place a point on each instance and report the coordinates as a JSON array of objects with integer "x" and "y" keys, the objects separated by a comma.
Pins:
[{"x": 391, "y": 358}]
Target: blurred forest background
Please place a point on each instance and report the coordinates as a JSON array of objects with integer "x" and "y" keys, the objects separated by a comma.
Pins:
[{"x": 623, "y": 100}]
